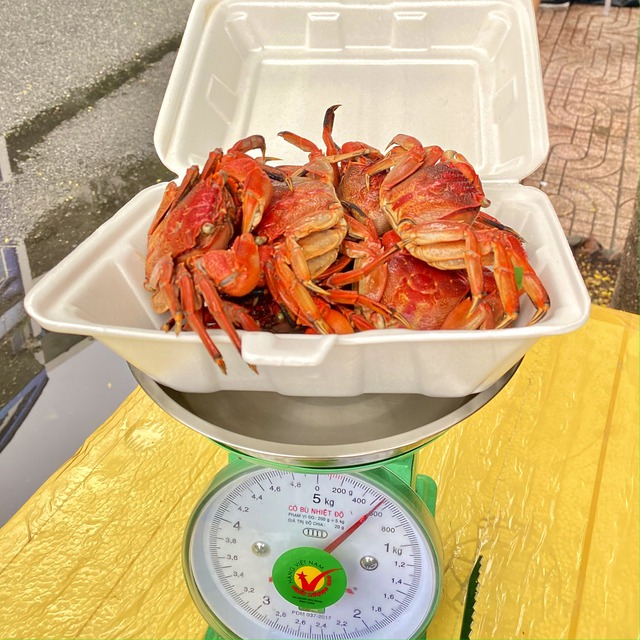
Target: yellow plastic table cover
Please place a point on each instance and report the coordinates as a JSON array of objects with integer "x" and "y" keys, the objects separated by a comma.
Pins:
[{"x": 542, "y": 482}]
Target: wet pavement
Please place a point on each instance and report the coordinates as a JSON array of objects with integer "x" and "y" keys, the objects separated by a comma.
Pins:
[
  {"x": 57, "y": 420},
  {"x": 77, "y": 143}
]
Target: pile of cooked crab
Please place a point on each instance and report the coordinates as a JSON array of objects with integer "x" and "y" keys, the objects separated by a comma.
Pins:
[{"x": 353, "y": 240}]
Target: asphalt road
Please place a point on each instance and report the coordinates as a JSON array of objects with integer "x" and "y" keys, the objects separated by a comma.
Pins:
[{"x": 80, "y": 90}]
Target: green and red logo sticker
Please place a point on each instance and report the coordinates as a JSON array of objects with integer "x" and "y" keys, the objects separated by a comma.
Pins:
[{"x": 309, "y": 578}]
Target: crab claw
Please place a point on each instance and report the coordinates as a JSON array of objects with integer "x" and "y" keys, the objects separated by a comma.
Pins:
[
  {"x": 236, "y": 271},
  {"x": 257, "y": 191},
  {"x": 459, "y": 162}
]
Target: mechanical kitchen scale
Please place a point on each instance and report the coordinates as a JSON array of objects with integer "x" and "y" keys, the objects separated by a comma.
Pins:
[
  {"x": 318, "y": 527},
  {"x": 474, "y": 70}
]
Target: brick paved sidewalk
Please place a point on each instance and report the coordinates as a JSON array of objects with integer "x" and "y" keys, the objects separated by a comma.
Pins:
[{"x": 590, "y": 72}]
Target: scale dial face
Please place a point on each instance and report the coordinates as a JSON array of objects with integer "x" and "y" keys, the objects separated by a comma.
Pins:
[{"x": 262, "y": 527}]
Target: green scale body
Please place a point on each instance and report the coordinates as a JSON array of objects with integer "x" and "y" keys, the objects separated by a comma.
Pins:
[{"x": 285, "y": 552}]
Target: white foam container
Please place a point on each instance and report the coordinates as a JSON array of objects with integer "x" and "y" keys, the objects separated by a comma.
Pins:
[{"x": 463, "y": 74}]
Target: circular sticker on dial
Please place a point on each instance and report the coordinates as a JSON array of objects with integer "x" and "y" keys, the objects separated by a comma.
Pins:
[{"x": 309, "y": 578}]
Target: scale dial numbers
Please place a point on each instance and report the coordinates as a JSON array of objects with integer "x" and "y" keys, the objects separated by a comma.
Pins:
[{"x": 243, "y": 526}]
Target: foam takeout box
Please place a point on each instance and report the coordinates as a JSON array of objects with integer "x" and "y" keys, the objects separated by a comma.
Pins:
[{"x": 462, "y": 74}]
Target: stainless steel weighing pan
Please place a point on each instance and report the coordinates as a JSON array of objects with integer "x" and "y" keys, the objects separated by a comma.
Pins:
[{"x": 317, "y": 432}]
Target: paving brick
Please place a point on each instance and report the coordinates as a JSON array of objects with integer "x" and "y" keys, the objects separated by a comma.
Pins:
[
  {"x": 564, "y": 207},
  {"x": 590, "y": 77}
]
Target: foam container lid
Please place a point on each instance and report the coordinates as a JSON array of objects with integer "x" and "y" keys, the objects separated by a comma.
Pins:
[{"x": 462, "y": 74}]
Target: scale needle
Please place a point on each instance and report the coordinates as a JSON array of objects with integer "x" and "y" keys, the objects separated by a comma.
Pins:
[{"x": 347, "y": 532}]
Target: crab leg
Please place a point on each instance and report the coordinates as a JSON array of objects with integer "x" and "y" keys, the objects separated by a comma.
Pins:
[
  {"x": 342, "y": 296},
  {"x": 164, "y": 297},
  {"x": 462, "y": 317},
  {"x": 302, "y": 143},
  {"x": 327, "y": 130},
  {"x": 249, "y": 144},
  {"x": 405, "y": 163},
  {"x": 193, "y": 319},
  {"x": 325, "y": 167},
  {"x": 336, "y": 319},
  {"x": 531, "y": 283},
  {"x": 506, "y": 283},
  {"x": 239, "y": 316},
  {"x": 257, "y": 191},
  {"x": 354, "y": 275},
  {"x": 286, "y": 287},
  {"x": 215, "y": 305}
]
